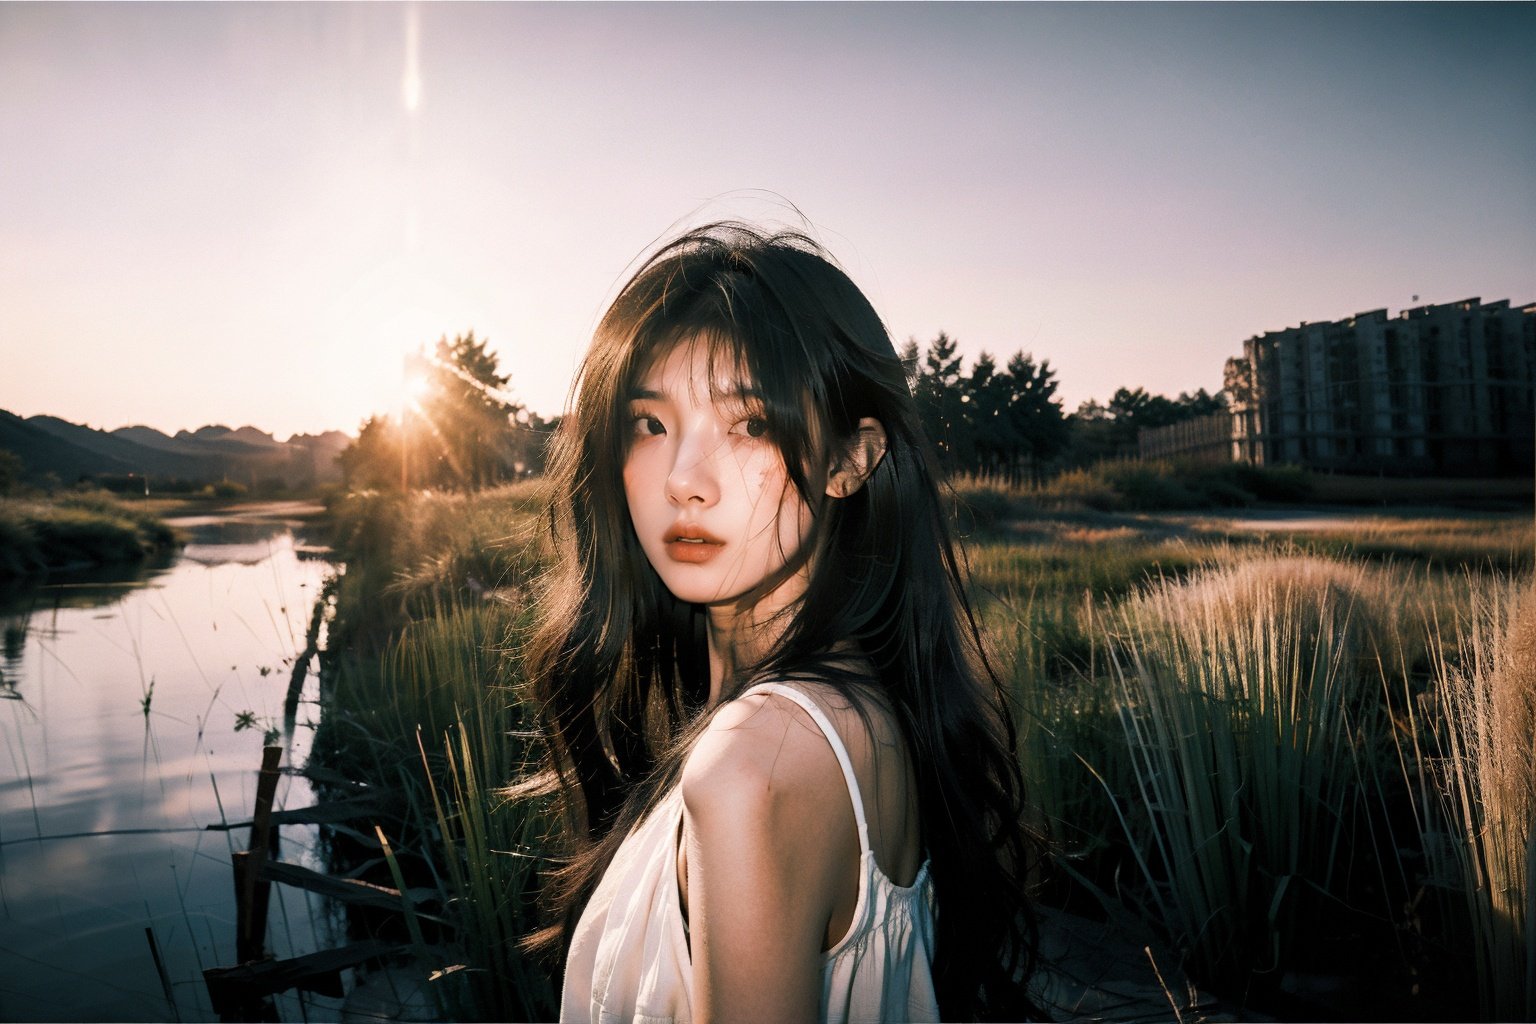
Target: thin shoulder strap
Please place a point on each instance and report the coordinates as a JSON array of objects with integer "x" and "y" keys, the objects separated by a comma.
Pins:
[{"x": 834, "y": 739}]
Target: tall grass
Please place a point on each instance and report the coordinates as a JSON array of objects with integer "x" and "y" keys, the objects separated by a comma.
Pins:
[
  {"x": 1211, "y": 731},
  {"x": 1068, "y": 728},
  {"x": 1130, "y": 486},
  {"x": 435, "y": 723},
  {"x": 1245, "y": 713},
  {"x": 1134, "y": 485},
  {"x": 486, "y": 847},
  {"x": 1446, "y": 542},
  {"x": 406, "y": 555},
  {"x": 420, "y": 696},
  {"x": 1478, "y": 801}
]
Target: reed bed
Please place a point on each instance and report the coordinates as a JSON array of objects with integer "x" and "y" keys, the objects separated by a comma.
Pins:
[
  {"x": 434, "y": 724},
  {"x": 473, "y": 740},
  {"x": 407, "y": 556}
]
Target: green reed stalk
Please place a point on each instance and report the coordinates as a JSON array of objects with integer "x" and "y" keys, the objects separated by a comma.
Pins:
[{"x": 454, "y": 677}]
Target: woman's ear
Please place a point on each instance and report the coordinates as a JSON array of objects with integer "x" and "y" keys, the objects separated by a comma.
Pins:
[{"x": 858, "y": 457}]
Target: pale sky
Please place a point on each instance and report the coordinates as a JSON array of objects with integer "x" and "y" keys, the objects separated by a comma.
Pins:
[{"x": 248, "y": 214}]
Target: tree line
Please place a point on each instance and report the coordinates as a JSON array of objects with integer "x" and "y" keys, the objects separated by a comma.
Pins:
[
  {"x": 1002, "y": 421},
  {"x": 1006, "y": 421}
]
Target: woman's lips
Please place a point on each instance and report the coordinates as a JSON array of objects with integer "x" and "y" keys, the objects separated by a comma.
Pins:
[{"x": 691, "y": 544}]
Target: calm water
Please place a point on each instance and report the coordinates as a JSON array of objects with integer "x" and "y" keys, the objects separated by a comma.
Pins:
[{"x": 121, "y": 706}]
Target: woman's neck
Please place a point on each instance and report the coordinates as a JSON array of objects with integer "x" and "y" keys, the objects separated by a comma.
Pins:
[{"x": 744, "y": 635}]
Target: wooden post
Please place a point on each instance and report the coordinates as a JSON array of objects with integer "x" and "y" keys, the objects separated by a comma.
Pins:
[
  {"x": 254, "y": 894},
  {"x": 240, "y": 861},
  {"x": 263, "y": 835}
]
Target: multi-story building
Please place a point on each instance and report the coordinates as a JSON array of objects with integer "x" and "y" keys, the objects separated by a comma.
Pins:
[{"x": 1447, "y": 389}]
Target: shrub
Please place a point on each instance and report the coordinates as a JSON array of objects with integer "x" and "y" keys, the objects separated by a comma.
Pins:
[
  {"x": 1174, "y": 486},
  {"x": 19, "y": 555},
  {"x": 1274, "y": 483},
  {"x": 1081, "y": 488},
  {"x": 1147, "y": 487}
]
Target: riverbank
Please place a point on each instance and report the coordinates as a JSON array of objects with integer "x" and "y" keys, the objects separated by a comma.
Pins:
[
  {"x": 77, "y": 532},
  {"x": 74, "y": 533}
]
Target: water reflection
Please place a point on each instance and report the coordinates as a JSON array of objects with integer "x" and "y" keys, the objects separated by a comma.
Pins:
[
  {"x": 15, "y": 638},
  {"x": 122, "y": 695},
  {"x": 212, "y": 541},
  {"x": 13, "y": 629}
]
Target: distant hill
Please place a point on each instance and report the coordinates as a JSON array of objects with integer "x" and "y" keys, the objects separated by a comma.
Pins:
[
  {"x": 47, "y": 444},
  {"x": 149, "y": 437},
  {"x": 250, "y": 436},
  {"x": 42, "y": 451}
]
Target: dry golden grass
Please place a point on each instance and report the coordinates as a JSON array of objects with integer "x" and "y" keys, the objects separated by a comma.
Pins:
[
  {"x": 1479, "y": 817},
  {"x": 1371, "y": 611},
  {"x": 1513, "y": 706},
  {"x": 1070, "y": 534}
]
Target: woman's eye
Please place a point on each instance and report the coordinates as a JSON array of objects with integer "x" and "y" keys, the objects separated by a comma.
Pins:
[
  {"x": 649, "y": 426},
  {"x": 752, "y": 426}
]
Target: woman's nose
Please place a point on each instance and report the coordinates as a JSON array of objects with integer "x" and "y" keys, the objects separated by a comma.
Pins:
[{"x": 693, "y": 479}]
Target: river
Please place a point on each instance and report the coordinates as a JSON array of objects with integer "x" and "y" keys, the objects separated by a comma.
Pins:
[{"x": 133, "y": 713}]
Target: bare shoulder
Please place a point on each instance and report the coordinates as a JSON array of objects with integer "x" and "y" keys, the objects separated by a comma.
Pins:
[
  {"x": 769, "y": 859},
  {"x": 765, "y": 766},
  {"x": 762, "y": 748}
]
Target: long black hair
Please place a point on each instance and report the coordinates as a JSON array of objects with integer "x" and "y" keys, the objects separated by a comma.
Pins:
[{"x": 618, "y": 666}]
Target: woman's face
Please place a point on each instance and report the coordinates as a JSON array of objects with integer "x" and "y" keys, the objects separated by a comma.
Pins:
[{"x": 707, "y": 489}]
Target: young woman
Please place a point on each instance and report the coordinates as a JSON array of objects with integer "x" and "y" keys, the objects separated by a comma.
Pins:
[{"x": 789, "y": 772}]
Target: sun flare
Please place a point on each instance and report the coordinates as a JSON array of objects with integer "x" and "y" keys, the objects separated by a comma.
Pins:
[{"x": 411, "y": 84}]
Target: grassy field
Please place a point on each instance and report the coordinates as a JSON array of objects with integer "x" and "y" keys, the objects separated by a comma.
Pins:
[{"x": 1294, "y": 748}]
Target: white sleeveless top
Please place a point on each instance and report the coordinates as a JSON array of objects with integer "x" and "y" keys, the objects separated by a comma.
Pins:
[{"x": 629, "y": 961}]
